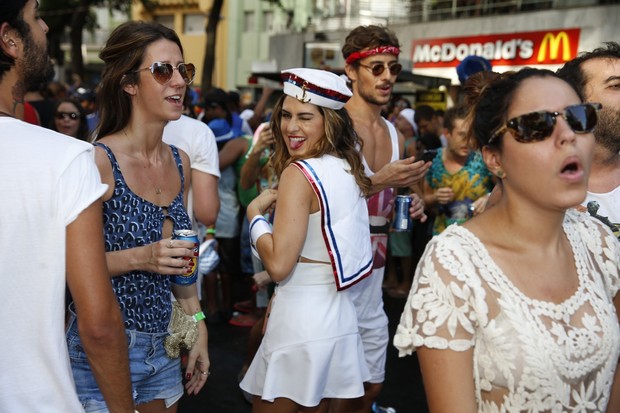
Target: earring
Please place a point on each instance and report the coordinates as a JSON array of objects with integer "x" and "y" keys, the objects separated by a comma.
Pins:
[
  {"x": 500, "y": 174},
  {"x": 11, "y": 43}
]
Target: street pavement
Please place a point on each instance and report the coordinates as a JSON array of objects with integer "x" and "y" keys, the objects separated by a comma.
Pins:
[{"x": 403, "y": 389}]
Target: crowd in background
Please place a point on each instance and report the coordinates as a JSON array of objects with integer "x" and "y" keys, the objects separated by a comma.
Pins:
[
  {"x": 229, "y": 291},
  {"x": 512, "y": 281}
]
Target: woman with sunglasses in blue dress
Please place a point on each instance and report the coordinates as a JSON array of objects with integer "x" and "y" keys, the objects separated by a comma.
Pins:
[
  {"x": 142, "y": 88},
  {"x": 516, "y": 310}
]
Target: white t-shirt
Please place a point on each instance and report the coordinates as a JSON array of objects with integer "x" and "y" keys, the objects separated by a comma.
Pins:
[
  {"x": 48, "y": 179},
  {"x": 197, "y": 140}
]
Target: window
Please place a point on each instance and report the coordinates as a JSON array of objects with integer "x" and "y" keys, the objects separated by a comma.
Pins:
[
  {"x": 267, "y": 21},
  {"x": 166, "y": 20},
  {"x": 194, "y": 24},
  {"x": 249, "y": 25}
]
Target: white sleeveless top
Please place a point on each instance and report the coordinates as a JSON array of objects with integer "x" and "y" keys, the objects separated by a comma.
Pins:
[
  {"x": 344, "y": 217},
  {"x": 314, "y": 247}
]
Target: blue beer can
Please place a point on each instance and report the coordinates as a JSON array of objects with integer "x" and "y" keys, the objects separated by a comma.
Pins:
[
  {"x": 191, "y": 277},
  {"x": 402, "y": 220}
]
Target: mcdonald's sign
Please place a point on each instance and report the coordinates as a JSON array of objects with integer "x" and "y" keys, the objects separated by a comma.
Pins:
[
  {"x": 514, "y": 49},
  {"x": 552, "y": 41}
]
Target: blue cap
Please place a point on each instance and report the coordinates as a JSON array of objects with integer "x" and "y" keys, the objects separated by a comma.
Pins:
[
  {"x": 471, "y": 65},
  {"x": 221, "y": 130}
]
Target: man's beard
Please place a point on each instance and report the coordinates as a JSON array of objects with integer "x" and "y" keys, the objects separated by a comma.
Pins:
[
  {"x": 37, "y": 66},
  {"x": 607, "y": 131},
  {"x": 373, "y": 100}
]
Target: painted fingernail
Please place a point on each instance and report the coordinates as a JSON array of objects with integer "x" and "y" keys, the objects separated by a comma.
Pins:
[
  {"x": 195, "y": 253},
  {"x": 188, "y": 376}
]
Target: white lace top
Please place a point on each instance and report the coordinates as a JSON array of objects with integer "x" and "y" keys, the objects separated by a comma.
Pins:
[{"x": 532, "y": 355}]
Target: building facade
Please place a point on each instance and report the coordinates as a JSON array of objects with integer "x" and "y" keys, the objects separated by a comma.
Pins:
[
  {"x": 262, "y": 36},
  {"x": 189, "y": 19}
]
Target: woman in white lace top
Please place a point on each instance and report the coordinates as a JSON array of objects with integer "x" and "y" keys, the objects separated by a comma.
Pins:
[{"x": 514, "y": 311}]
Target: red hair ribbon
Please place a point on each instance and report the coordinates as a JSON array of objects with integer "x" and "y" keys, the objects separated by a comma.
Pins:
[{"x": 377, "y": 50}]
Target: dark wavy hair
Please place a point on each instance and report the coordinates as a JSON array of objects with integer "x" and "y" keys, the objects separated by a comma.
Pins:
[
  {"x": 340, "y": 141},
  {"x": 368, "y": 37},
  {"x": 82, "y": 132},
  {"x": 12, "y": 12},
  {"x": 573, "y": 73},
  {"x": 490, "y": 96},
  {"x": 123, "y": 54}
]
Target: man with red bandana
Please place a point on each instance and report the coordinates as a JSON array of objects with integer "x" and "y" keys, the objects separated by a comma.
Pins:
[{"x": 371, "y": 56}]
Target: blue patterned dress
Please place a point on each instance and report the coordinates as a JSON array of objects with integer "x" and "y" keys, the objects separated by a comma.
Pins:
[{"x": 130, "y": 221}]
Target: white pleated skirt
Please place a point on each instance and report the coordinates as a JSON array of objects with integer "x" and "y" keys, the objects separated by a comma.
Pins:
[{"x": 311, "y": 349}]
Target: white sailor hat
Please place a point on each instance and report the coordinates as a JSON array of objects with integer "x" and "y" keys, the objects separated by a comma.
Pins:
[{"x": 319, "y": 87}]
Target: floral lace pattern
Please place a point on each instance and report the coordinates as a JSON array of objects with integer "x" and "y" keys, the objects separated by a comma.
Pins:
[{"x": 533, "y": 355}]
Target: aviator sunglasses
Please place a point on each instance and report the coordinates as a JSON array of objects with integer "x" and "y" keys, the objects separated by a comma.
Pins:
[
  {"x": 538, "y": 126},
  {"x": 378, "y": 68},
  {"x": 162, "y": 72},
  {"x": 67, "y": 115}
]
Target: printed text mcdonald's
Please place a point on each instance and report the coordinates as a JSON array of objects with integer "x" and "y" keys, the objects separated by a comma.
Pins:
[{"x": 514, "y": 49}]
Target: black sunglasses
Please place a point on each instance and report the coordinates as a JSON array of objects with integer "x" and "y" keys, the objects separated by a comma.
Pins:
[
  {"x": 378, "y": 68},
  {"x": 162, "y": 72},
  {"x": 67, "y": 115},
  {"x": 538, "y": 126}
]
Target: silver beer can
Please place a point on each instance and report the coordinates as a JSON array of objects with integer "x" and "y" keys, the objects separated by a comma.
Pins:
[{"x": 402, "y": 220}]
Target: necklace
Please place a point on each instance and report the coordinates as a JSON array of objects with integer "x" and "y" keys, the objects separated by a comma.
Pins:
[{"x": 157, "y": 187}]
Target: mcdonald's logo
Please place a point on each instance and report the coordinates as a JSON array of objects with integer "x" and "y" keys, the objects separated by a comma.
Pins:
[
  {"x": 553, "y": 41},
  {"x": 544, "y": 47}
]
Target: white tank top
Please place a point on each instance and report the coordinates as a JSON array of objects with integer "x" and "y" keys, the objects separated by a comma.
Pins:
[{"x": 314, "y": 247}]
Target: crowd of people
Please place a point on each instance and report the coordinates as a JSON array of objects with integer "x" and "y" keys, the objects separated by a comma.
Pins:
[{"x": 509, "y": 277}]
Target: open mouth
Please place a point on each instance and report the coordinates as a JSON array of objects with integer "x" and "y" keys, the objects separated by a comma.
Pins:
[
  {"x": 296, "y": 143},
  {"x": 572, "y": 169},
  {"x": 174, "y": 99}
]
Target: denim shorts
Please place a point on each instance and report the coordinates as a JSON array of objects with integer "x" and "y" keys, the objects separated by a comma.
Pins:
[{"x": 153, "y": 374}]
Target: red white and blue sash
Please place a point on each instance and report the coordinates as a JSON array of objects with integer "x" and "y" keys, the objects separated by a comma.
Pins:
[{"x": 344, "y": 218}]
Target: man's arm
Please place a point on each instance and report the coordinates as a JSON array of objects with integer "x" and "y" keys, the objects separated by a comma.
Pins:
[
  {"x": 206, "y": 202},
  {"x": 100, "y": 324},
  {"x": 398, "y": 174},
  {"x": 232, "y": 151}
]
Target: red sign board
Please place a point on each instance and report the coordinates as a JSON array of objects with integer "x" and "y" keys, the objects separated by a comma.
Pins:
[{"x": 514, "y": 49}]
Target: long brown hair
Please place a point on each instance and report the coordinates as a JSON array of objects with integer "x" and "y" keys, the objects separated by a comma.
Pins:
[
  {"x": 340, "y": 141},
  {"x": 123, "y": 54}
]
